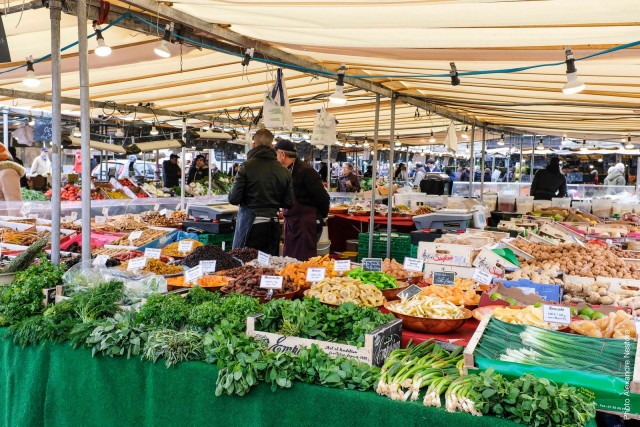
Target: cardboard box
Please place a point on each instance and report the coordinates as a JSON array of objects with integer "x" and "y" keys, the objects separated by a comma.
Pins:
[
  {"x": 548, "y": 230},
  {"x": 493, "y": 263},
  {"x": 509, "y": 243},
  {"x": 548, "y": 292},
  {"x": 534, "y": 238},
  {"x": 463, "y": 272},
  {"x": 445, "y": 254}
]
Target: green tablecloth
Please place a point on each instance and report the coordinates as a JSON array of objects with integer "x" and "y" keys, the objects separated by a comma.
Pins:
[{"x": 54, "y": 385}]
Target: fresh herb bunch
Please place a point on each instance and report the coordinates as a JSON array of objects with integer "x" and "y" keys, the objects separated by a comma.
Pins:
[
  {"x": 173, "y": 346},
  {"x": 164, "y": 311},
  {"x": 197, "y": 295},
  {"x": 118, "y": 336},
  {"x": 23, "y": 298},
  {"x": 99, "y": 301}
]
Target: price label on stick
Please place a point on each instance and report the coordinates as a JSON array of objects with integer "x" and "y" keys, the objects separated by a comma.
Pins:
[
  {"x": 33, "y": 216},
  {"x": 482, "y": 277},
  {"x": 101, "y": 220},
  {"x": 410, "y": 292},
  {"x": 105, "y": 211},
  {"x": 224, "y": 246},
  {"x": 342, "y": 265},
  {"x": 556, "y": 314},
  {"x": 208, "y": 266},
  {"x": 185, "y": 246},
  {"x": 193, "y": 274},
  {"x": 178, "y": 206},
  {"x": 372, "y": 264},
  {"x": 137, "y": 263},
  {"x": 271, "y": 282},
  {"x": 315, "y": 275},
  {"x": 444, "y": 278},
  {"x": 135, "y": 235},
  {"x": 156, "y": 207},
  {"x": 100, "y": 260},
  {"x": 74, "y": 216},
  {"x": 153, "y": 253},
  {"x": 413, "y": 264},
  {"x": 263, "y": 258},
  {"x": 637, "y": 323}
]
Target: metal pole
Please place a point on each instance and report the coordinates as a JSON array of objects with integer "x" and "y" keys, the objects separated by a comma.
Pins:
[
  {"x": 83, "y": 54},
  {"x": 55, "y": 9},
  {"x": 210, "y": 159},
  {"x": 484, "y": 149},
  {"x": 508, "y": 162},
  {"x": 5, "y": 127},
  {"x": 157, "y": 174},
  {"x": 472, "y": 159},
  {"x": 521, "y": 156},
  {"x": 533, "y": 157},
  {"x": 373, "y": 174},
  {"x": 182, "y": 186},
  {"x": 390, "y": 180}
]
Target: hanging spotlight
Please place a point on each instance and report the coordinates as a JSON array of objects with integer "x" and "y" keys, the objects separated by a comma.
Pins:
[
  {"x": 629, "y": 145},
  {"x": 573, "y": 84},
  {"x": 76, "y": 132},
  {"x": 102, "y": 49},
  {"x": 366, "y": 142},
  {"x": 465, "y": 135},
  {"x": 248, "y": 54},
  {"x": 600, "y": 160},
  {"x": 541, "y": 143},
  {"x": 153, "y": 131},
  {"x": 584, "y": 146},
  {"x": 162, "y": 50},
  {"x": 338, "y": 97},
  {"x": 455, "y": 80},
  {"x": 398, "y": 144},
  {"x": 31, "y": 80},
  {"x": 119, "y": 133},
  {"x": 501, "y": 140},
  {"x": 433, "y": 138},
  {"x": 564, "y": 141}
]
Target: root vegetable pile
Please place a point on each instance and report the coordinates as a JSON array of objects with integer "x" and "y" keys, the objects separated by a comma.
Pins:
[{"x": 224, "y": 261}]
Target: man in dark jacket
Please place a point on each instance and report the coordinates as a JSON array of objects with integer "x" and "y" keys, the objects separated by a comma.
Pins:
[
  {"x": 261, "y": 188},
  {"x": 171, "y": 172},
  {"x": 304, "y": 221},
  {"x": 549, "y": 182},
  {"x": 198, "y": 170}
]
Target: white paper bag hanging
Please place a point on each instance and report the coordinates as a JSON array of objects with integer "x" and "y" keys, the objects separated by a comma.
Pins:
[
  {"x": 276, "y": 110},
  {"x": 451, "y": 140},
  {"x": 324, "y": 128}
]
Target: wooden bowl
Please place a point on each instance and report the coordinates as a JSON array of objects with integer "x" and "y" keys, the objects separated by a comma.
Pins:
[
  {"x": 427, "y": 325},
  {"x": 392, "y": 294},
  {"x": 338, "y": 210},
  {"x": 337, "y": 305}
]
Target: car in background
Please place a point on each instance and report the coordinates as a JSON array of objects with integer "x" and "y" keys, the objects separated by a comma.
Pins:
[{"x": 116, "y": 168}]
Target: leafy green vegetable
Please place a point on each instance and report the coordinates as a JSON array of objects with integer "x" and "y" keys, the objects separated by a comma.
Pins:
[
  {"x": 378, "y": 279},
  {"x": 118, "y": 336},
  {"x": 99, "y": 301},
  {"x": 173, "y": 346},
  {"x": 164, "y": 311},
  {"x": 32, "y": 195}
]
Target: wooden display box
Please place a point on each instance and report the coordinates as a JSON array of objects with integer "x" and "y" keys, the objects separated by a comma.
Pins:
[
  {"x": 446, "y": 254},
  {"x": 378, "y": 344}
]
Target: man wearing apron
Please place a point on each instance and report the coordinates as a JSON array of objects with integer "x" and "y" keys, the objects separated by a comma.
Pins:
[
  {"x": 303, "y": 222},
  {"x": 261, "y": 188}
]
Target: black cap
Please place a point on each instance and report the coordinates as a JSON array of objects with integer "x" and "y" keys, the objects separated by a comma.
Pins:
[
  {"x": 285, "y": 145},
  {"x": 174, "y": 156}
]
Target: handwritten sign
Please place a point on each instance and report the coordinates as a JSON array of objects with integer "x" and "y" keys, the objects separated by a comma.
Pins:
[
  {"x": 185, "y": 246},
  {"x": 74, "y": 216},
  {"x": 101, "y": 220},
  {"x": 178, "y": 206},
  {"x": 342, "y": 265},
  {"x": 271, "y": 282},
  {"x": 410, "y": 292},
  {"x": 444, "y": 278},
  {"x": 413, "y": 264},
  {"x": 224, "y": 246},
  {"x": 482, "y": 277},
  {"x": 193, "y": 274},
  {"x": 135, "y": 235},
  {"x": 208, "y": 266},
  {"x": 556, "y": 314},
  {"x": 156, "y": 207},
  {"x": 153, "y": 253},
  {"x": 315, "y": 275},
  {"x": 372, "y": 264},
  {"x": 105, "y": 211},
  {"x": 137, "y": 263},
  {"x": 100, "y": 260},
  {"x": 263, "y": 259}
]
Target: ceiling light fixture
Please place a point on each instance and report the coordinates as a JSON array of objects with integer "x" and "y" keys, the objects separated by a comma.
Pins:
[
  {"x": 584, "y": 146},
  {"x": 574, "y": 85},
  {"x": 433, "y": 138},
  {"x": 102, "y": 49},
  {"x": 455, "y": 80},
  {"x": 465, "y": 135},
  {"x": 398, "y": 144},
  {"x": 366, "y": 142},
  {"x": 338, "y": 97},
  {"x": 30, "y": 80},
  {"x": 600, "y": 160},
  {"x": 153, "y": 131},
  {"x": 248, "y": 54},
  {"x": 162, "y": 50},
  {"x": 629, "y": 145},
  {"x": 541, "y": 144},
  {"x": 501, "y": 140}
]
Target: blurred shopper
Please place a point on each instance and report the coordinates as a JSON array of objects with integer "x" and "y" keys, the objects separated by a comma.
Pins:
[
  {"x": 549, "y": 182},
  {"x": 261, "y": 188},
  {"x": 431, "y": 165},
  {"x": 171, "y": 172},
  {"x": 615, "y": 176},
  {"x": 304, "y": 221},
  {"x": 198, "y": 170},
  {"x": 596, "y": 178},
  {"x": 421, "y": 172},
  {"x": 10, "y": 174},
  {"x": 401, "y": 173},
  {"x": 465, "y": 176},
  {"x": 24, "y": 182},
  {"x": 348, "y": 182},
  {"x": 41, "y": 165},
  {"x": 324, "y": 171}
]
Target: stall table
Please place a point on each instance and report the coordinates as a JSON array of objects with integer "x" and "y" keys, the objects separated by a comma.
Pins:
[{"x": 343, "y": 227}]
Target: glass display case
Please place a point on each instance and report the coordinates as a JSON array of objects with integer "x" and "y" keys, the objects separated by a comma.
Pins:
[{"x": 576, "y": 191}]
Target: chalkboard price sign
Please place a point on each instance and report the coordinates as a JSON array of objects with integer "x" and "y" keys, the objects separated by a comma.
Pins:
[
  {"x": 42, "y": 130},
  {"x": 372, "y": 264},
  {"x": 444, "y": 278},
  {"x": 410, "y": 292}
]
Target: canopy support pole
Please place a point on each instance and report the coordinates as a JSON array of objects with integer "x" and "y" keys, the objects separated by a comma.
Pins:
[
  {"x": 183, "y": 184},
  {"x": 472, "y": 160},
  {"x": 210, "y": 160},
  {"x": 5, "y": 127},
  {"x": 533, "y": 157},
  {"x": 83, "y": 54},
  {"x": 521, "y": 157},
  {"x": 390, "y": 178},
  {"x": 55, "y": 9},
  {"x": 484, "y": 150},
  {"x": 374, "y": 173}
]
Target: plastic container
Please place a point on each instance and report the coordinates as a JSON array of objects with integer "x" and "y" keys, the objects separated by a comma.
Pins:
[
  {"x": 561, "y": 202},
  {"x": 601, "y": 207},
  {"x": 584, "y": 206},
  {"x": 622, "y": 208},
  {"x": 524, "y": 204},
  {"x": 541, "y": 204},
  {"x": 506, "y": 203},
  {"x": 490, "y": 201},
  {"x": 324, "y": 247}
]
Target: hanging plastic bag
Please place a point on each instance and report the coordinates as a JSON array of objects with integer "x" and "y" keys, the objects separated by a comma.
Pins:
[
  {"x": 324, "y": 129},
  {"x": 276, "y": 110}
]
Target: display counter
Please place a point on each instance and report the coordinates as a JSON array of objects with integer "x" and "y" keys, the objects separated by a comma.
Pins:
[
  {"x": 55, "y": 385},
  {"x": 576, "y": 191}
]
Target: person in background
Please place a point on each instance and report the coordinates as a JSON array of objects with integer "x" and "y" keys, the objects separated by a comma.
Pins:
[
  {"x": 129, "y": 171},
  {"x": 477, "y": 175},
  {"x": 24, "y": 182},
  {"x": 324, "y": 171},
  {"x": 198, "y": 170},
  {"x": 450, "y": 173},
  {"x": 304, "y": 221},
  {"x": 431, "y": 165},
  {"x": 77, "y": 162},
  {"x": 41, "y": 165},
  {"x": 596, "y": 178},
  {"x": 615, "y": 176},
  {"x": 495, "y": 176},
  {"x": 261, "y": 188},
  {"x": 348, "y": 182},
  {"x": 465, "y": 176},
  {"x": 233, "y": 171},
  {"x": 171, "y": 172},
  {"x": 566, "y": 169},
  {"x": 549, "y": 182},
  {"x": 369, "y": 172},
  {"x": 420, "y": 174},
  {"x": 10, "y": 174},
  {"x": 487, "y": 175},
  {"x": 401, "y": 173}
]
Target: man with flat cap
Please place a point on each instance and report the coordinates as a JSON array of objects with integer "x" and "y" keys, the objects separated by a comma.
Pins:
[{"x": 303, "y": 222}]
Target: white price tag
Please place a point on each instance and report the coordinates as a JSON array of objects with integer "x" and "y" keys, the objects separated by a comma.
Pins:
[
  {"x": 135, "y": 235},
  {"x": 342, "y": 265},
  {"x": 208, "y": 266},
  {"x": 193, "y": 274},
  {"x": 137, "y": 263},
  {"x": 483, "y": 277},
  {"x": 263, "y": 258},
  {"x": 271, "y": 282},
  {"x": 66, "y": 219},
  {"x": 178, "y": 206},
  {"x": 105, "y": 211},
  {"x": 74, "y": 216},
  {"x": 101, "y": 220},
  {"x": 315, "y": 275},
  {"x": 637, "y": 322},
  {"x": 413, "y": 264},
  {"x": 185, "y": 246},
  {"x": 156, "y": 207},
  {"x": 168, "y": 213},
  {"x": 25, "y": 210},
  {"x": 33, "y": 216},
  {"x": 153, "y": 253},
  {"x": 556, "y": 314},
  {"x": 100, "y": 260},
  {"x": 224, "y": 246}
]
